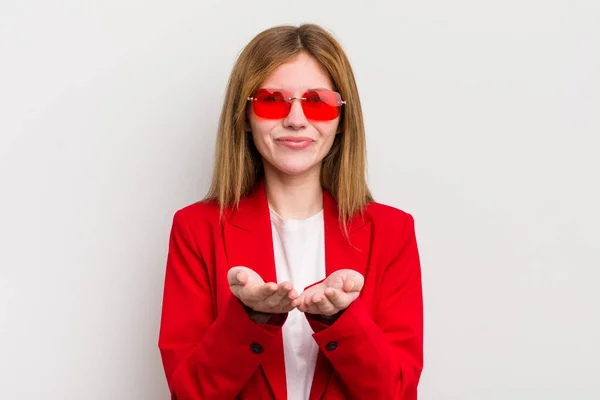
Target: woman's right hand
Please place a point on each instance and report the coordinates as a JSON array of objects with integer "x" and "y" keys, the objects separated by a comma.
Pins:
[{"x": 269, "y": 298}]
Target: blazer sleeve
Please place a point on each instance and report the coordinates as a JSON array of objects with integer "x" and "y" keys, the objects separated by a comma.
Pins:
[
  {"x": 381, "y": 357},
  {"x": 206, "y": 355}
]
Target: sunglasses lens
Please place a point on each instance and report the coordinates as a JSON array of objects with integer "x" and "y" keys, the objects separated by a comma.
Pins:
[
  {"x": 322, "y": 105},
  {"x": 317, "y": 105},
  {"x": 270, "y": 104}
]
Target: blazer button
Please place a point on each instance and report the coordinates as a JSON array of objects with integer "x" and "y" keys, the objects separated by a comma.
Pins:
[
  {"x": 331, "y": 346},
  {"x": 256, "y": 348}
]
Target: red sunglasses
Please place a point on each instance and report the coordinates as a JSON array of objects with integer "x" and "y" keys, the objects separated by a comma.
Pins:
[{"x": 317, "y": 105}]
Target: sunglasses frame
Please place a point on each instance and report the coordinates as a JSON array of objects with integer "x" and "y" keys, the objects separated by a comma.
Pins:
[{"x": 290, "y": 99}]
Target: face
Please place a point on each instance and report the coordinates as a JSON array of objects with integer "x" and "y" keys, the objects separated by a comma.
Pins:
[{"x": 294, "y": 145}]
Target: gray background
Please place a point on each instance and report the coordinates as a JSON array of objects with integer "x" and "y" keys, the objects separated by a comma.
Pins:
[{"x": 482, "y": 120}]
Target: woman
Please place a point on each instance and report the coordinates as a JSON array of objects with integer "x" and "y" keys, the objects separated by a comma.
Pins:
[{"x": 288, "y": 280}]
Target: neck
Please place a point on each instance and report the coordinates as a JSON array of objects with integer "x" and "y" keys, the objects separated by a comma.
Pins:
[{"x": 294, "y": 196}]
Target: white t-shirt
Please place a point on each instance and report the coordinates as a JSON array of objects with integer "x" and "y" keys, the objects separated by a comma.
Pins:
[{"x": 299, "y": 248}]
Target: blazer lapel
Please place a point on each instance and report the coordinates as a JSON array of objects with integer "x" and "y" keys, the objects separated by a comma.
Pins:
[
  {"x": 249, "y": 242},
  {"x": 340, "y": 254},
  {"x": 248, "y": 236}
]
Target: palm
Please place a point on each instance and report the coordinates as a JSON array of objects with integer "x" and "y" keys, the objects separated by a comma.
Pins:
[
  {"x": 334, "y": 294},
  {"x": 251, "y": 289},
  {"x": 345, "y": 279}
]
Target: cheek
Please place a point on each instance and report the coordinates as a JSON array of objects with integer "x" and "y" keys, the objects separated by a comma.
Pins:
[
  {"x": 261, "y": 132},
  {"x": 327, "y": 129}
]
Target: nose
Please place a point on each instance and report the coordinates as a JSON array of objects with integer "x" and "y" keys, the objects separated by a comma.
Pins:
[{"x": 296, "y": 118}]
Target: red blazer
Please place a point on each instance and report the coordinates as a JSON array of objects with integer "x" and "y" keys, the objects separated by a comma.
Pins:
[{"x": 212, "y": 350}]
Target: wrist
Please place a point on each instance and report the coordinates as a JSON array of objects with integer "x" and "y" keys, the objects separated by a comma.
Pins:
[
  {"x": 329, "y": 319},
  {"x": 258, "y": 317}
]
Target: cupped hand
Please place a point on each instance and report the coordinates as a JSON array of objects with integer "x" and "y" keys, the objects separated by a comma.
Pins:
[
  {"x": 332, "y": 295},
  {"x": 249, "y": 287}
]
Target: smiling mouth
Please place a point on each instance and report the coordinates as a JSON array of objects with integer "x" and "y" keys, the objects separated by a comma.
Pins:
[
  {"x": 295, "y": 139},
  {"x": 295, "y": 143}
]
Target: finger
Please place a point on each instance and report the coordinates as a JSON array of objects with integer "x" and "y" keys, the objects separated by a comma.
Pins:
[
  {"x": 309, "y": 305},
  {"x": 348, "y": 285},
  {"x": 281, "y": 297},
  {"x": 337, "y": 298},
  {"x": 306, "y": 301},
  {"x": 281, "y": 293},
  {"x": 239, "y": 287},
  {"x": 256, "y": 293},
  {"x": 242, "y": 278},
  {"x": 232, "y": 276},
  {"x": 284, "y": 289},
  {"x": 315, "y": 302},
  {"x": 325, "y": 306},
  {"x": 292, "y": 298},
  {"x": 292, "y": 294},
  {"x": 298, "y": 302},
  {"x": 266, "y": 290}
]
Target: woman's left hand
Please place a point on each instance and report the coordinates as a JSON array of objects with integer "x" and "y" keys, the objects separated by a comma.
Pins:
[{"x": 332, "y": 295}]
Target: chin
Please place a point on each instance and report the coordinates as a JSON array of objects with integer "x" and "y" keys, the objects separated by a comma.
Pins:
[{"x": 293, "y": 169}]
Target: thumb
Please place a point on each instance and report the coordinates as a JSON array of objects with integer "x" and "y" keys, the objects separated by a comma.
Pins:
[
  {"x": 237, "y": 276},
  {"x": 242, "y": 278},
  {"x": 348, "y": 285}
]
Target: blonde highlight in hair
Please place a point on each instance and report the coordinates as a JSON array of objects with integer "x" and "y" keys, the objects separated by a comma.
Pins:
[{"x": 238, "y": 165}]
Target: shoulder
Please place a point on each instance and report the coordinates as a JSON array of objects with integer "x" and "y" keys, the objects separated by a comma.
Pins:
[
  {"x": 199, "y": 213},
  {"x": 388, "y": 219},
  {"x": 382, "y": 213}
]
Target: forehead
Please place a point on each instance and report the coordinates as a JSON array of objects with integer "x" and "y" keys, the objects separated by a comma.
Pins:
[{"x": 302, "y": 73}]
